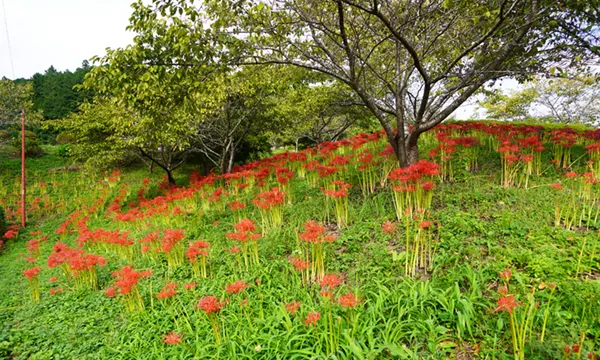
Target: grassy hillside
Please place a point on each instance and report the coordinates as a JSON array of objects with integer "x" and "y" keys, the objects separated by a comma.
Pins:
[{"x": 327, "y": 253}]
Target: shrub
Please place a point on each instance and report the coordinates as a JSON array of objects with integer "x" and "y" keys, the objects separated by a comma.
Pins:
[
  {"x": 32, "y": 148},
  {"x": 63, "y": 150},
  {"x": 64, "y": 138}
]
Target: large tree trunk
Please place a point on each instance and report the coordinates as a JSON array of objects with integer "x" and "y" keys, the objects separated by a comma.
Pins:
[{"x": 170, "y": 177}]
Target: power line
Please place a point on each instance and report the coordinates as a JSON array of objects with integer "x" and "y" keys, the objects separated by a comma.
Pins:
[{"x": 12, "y": 66}]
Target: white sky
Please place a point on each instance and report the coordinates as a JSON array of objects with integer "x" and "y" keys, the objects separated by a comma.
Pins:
[{"x": 62, "y": 33}]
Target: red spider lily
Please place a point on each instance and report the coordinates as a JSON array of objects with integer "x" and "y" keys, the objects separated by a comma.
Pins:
[
  {"x": 268, "y": 199},
  {"x": 170, "y": 239},
  {"x": 190, "y": 286},
  {"x": 168, "y": 291},
  {"x": 172, "y": 338},
  {"x": 330, "y": 281},
  {"x": 10, "y": 234},
  {"x": 348, "y": 301},
  {"x": 507, "y": 304},
  {"x": 30, "y": 259},
  {"x": 313, "y": 232},
  {"x": 312, "y": 318},
  {"x": 245, "y": 226},
  {"x": 236, "y": 287},
  {"x": 56, "y": 291},
  {"x": 210, "y": 304},
  {"x": 388, "y": 227},
  {"x": 31, "y": 273},
  {"x": 292, "y": 307},
  {"x": 53, "y": 279},
  {"x": 299, "y": 263},
  {"x": 236, "y": 205},
  {"x": 503, "y": 289},
  {"x": 506, "y": 274},
  {"x": 338, "y": 189},
  {"x": 197, "y": 249},
  {"x": 557, "y": 186},
  {"x": 127, "y": 279}
]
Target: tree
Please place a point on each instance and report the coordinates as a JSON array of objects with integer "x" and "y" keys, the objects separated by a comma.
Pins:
[
  {"x": 234, "y": 105},
  {"x": 161, "y": 99},
  {"x": 13, "y": 98},
  {"x": 57, "y": 93},
  {"x": 316, "y": 108},
  {"x": 562, "y": 100},
  {"x": 512, "y": 106},
  {"x": 575, "y": 100},
  {"x": 412, "y": 63}
]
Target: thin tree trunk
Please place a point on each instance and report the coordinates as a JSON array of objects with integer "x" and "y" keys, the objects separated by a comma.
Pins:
[{"x": 231, "y": 159}]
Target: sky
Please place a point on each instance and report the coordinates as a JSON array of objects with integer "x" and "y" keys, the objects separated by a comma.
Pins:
[{"x": 61, "y": 33}]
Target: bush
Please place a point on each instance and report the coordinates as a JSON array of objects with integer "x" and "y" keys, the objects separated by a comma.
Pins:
[
  {"x": 32, "y": 148},
  {"x": 4, "y": 135},
  {"x": 63, "y": 150},
  {"x": 64, "y": 138}
]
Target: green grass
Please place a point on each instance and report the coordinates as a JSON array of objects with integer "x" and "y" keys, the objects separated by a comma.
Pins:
[{"x": 446, "y": 312}]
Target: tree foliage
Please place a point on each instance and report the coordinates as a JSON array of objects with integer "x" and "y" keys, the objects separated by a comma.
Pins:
[
  {"x": 561, "y": 100},
  {"x": 56, "y": 93},
  {"x": 412, "y": 63}
]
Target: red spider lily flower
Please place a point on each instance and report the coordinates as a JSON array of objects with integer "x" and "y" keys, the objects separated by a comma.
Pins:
[
  {"x": 53, "y": 279},
  {"x": 10, "y": 234},
  {"x": 292, "y": 307},
  {"x": 197, "y": 249},
  {"x": 313, "y": 232},
  {"x": 507, "y": 304},
  {"x": 170, "y": 239},
  {"x": 567, "y": 349},
  {"x": 557, "y": 186},
  {"x": 236, "y": 205},
  {"x": 312, "y": 318},
  {"x": 576, "y": 348},
  {"x": 348, "y": 301},
  {"x": 190, "y": 286},
  {"x": 503, "y": 289},
  {"x": 56, "y": 291},
  {"x": 127, "y": 279},
  {"x": 168, "y": 291},
  {"x": 326, "y": 294},
  {"x": 233, "y": 250},
  {"x": 30, "y": 259},
  {"x": 210, "y": 304},
  {"x": 299, "y": 263},
  {"x": 111, "y": 291},
  {"x": 31, "y": 273},
  {"x": 245, "y": 226},
  {"x": 425, "y": 225},
  {"x": 506, "y": 274},
  {"x": 269, "y": 199},
  {"x": 388, "y": 227},
  {"x": 236, "y": 287},
  {"x": 571, "y": 174},
  {"x": 592, "y": 356},
  {"x": 172, "y": 338},
  {"x": 330, "y": 281}
]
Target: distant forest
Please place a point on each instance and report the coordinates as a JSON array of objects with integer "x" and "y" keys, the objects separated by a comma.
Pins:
[{"x": 54, "y": 93}]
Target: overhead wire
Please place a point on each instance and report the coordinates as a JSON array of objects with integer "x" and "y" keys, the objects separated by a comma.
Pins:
[{"x": 12, "y": 66}]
